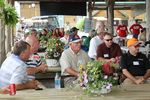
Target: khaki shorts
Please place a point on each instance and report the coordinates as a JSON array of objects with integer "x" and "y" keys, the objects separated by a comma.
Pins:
[
  {"x": 127, "y": 81},
  {"x": 70, "y": 82}
]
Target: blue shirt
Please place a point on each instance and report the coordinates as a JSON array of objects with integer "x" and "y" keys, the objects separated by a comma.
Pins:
[{"x": 13, "y": 71}]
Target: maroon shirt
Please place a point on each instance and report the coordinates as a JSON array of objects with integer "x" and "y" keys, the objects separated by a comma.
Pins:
[{"x": 107, "y": 53}]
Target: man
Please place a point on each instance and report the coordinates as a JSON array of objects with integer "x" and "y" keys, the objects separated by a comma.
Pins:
[
  {"x": 122, "y": 30},
  {"x": 74, "y": 32},
  {"x": 65, "y": 38},
  {"x": 108, "y": 51},
  {"x": 86, "y": 42},
  {"x": 34, "y": 63},
  {"x": 135, "y": 29},
  {"x": 70, "y": 60},
  {"x": 95, "y": 41},
  {"x": 135, "y": 65},
  {"x": 13, "y": 69}
]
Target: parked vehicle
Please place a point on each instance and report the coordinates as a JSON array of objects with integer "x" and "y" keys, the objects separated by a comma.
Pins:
[{"x": 40, "y": 22}]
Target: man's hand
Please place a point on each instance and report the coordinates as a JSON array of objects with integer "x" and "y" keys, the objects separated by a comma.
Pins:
[
  {"x": 43, "y": 67},
  {"x": 32, "y": 84},
  {"x": 4, "y": 90},
  {"x": 113, "y": 60},
  {"x": 140, "y": 80}
]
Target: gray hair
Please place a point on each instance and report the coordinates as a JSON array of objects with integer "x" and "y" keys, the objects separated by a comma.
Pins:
[{"x": 19, "y": 47}]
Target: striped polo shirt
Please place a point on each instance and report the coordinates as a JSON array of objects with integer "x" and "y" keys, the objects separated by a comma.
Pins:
[{"x": 34, "y": 61}]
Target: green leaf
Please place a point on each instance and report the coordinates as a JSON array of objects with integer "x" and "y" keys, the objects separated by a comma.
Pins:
[{"x": 10, "y": 15}]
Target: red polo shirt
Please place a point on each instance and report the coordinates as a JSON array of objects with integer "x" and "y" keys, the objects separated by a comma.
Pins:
[
  {"x": 122, "y": 30},
  {"x": 136, "y": 28}
]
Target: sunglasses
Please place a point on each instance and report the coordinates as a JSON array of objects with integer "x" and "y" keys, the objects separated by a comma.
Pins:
[{"x": 108, "y": 39}]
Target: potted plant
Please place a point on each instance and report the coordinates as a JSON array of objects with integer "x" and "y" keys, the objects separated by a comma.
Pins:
[
  {"x": 8, "y": 14},
  {"x": 93, "y": 78},
  {"x": 54, "y": 48}
]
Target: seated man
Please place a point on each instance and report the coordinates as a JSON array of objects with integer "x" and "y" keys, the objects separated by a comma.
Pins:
[
  {"x": 135, "y": 65},
  {"x": 94, "y": 42},
  {"x": 13, "y": 69},
  {"x": 70, "y": 60},
  {"x": 108, "y": 51},
  {"x": 34, "y": 63}
]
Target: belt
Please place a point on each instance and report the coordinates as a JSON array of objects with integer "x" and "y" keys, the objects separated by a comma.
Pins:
[{"x": 66, "y": 76}]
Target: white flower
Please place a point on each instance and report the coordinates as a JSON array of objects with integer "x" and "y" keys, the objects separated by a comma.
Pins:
[
  {"x": 105, "y": 77},
  {"x": 109, "y": 86}
]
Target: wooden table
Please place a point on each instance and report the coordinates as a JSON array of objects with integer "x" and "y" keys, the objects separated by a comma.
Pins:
[
  {"x": 138, "y": 92},
  {"x": 50, "y": 73}
]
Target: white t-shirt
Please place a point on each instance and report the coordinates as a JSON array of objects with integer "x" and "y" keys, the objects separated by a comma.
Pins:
[{"x": 95, "y": 41}]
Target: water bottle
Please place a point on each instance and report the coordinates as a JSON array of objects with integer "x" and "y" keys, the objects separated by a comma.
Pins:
[{"x": 57, "y": 81}]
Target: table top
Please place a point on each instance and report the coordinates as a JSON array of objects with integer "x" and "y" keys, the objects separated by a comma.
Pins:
[
  {"x": 54, "y": 69},
  {"x": 136, "y": 92},
  {"x": 50, "y": 73}
]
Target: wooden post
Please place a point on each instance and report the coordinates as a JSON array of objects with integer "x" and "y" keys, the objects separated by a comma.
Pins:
[
  {"x": 9, "y": 34},
  {"x": 90, "y": 9},
  {"x": 2, "y": 40},
  {"x": 110, "y": 15},
  {"x": 8, "y": 41},
  {"x": 148, "y": 19},
  {"x": 148, "y": 24}
]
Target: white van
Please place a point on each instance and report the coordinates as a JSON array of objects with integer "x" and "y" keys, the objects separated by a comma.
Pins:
[{"x": 40, "y": 22}]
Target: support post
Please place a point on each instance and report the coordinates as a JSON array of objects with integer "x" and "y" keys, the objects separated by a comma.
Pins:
[{"x": 110, "y": 15}]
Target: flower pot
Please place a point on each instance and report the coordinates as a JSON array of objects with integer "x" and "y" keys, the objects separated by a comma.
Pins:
[
  {"x": 101, "y": 91},
  {"x": 52, "y": 62}
]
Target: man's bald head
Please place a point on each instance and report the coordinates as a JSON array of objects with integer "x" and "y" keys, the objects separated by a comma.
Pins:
[{"x": 34, "y": 42}]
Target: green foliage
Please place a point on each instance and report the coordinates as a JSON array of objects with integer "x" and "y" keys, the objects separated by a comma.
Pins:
[
  {"x": 80, "y": 24},
  {"x": 54, "y": 48},
  {"x": 2, "y": 3},
  {"x": 96, "y": 79},
  {"x": 10, "y": 15}
]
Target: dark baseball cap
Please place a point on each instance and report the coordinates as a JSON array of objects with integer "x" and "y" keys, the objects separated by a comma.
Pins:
[{"x": 73, "y": 29}]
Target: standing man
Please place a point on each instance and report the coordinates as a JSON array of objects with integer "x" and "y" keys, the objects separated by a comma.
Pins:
[
  {"x": 108, "y": 51},
  {"x": 13, "y": 69},
  {"x": 135, "y": 65},
  {"x": 135, "y": 29},
  {"x": 70, "y": 60},
  {"x": 122, "y": 30}
]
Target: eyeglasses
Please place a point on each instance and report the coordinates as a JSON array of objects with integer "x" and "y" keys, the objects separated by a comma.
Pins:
[{"x": 108, "y": 39}]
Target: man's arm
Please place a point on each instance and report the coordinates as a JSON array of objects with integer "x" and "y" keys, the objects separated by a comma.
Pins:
[
  {"x": 29, "y": 85},
  {"x": 92, "y": 49},
  {"x": 71, "y": 71},
  {"x": 4, "y": 90},
  {"x": 33, "y": 70},
  {"x": 131, "y": 77},
  {"x": 147, "y": 74}
]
